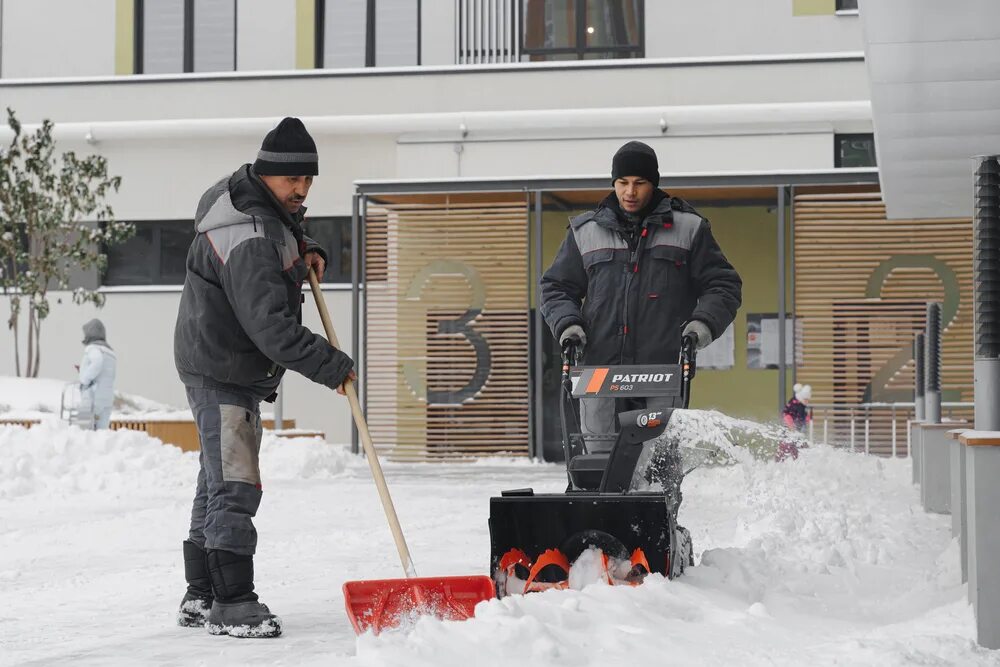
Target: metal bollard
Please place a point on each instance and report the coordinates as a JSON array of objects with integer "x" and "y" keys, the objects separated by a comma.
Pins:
[
  {"x": 894, "y": 434},
  {"x": 852, "y": 430}
]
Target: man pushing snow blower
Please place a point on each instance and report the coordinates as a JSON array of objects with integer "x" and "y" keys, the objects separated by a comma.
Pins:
[
  {"x": 636, "y": 280},
  {"x": 633, "y": 277}
]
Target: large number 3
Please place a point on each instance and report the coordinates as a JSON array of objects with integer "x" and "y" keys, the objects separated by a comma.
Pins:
[
  {"x": 878, "y": 390},
  {"x": 460, "y": 326}
]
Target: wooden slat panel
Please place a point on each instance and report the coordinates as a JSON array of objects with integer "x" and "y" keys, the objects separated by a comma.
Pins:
[
  {"x": 857, "y": 335},
  {"x": 447, "y": 377}
]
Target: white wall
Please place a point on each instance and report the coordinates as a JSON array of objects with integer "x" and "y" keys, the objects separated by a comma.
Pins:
[
  {"x": 265, "y": 35},
  {"x": 593, "y": 156},
  {"x": 141, "y": 330},
  {"x": 682, "y": 28},
  {"x": 164, "y": 179},
  {"x": 367, "y": 92},
  {"x": 44, "y": 38}
]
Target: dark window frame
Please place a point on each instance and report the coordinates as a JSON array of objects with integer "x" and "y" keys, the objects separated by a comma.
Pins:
[
  {"x": 319, "y": 33},
  {"x": 847, "y": 5},
  {"x": 838, "y": 139},
  {"x": 337, "y": 271},
  {"x": 188, "y": 39},
  {"x": 153, "y": 276},
  {"x": 337, "y": 249},
  {"x": 581, "y": 50}
]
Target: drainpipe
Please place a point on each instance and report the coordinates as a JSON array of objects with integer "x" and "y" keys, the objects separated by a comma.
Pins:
[{"x": 682, "y": 120}]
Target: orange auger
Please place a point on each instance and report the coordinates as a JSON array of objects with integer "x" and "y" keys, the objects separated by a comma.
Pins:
[
  {"x": 515, "y": 558},
  {"x": 548, "y": 557}
]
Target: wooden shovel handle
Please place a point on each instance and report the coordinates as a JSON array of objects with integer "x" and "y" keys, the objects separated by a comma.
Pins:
[{"x": 366, "y": 438}]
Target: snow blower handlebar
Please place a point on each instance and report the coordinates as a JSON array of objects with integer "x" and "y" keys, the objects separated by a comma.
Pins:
[{"x": 689, "y": 351}]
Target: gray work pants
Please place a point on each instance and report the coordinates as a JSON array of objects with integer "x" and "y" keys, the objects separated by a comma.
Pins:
[{"x": 229, "y": 490}]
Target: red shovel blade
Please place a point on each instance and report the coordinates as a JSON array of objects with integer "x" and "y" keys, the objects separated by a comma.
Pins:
[{"x": 387, "y": 603}]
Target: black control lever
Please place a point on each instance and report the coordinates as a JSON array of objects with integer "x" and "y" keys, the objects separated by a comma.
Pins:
[{"x": 689, "y": 365}]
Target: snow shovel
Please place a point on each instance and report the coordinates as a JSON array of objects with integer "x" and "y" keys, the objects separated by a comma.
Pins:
[{"x": 377, "y": 604}]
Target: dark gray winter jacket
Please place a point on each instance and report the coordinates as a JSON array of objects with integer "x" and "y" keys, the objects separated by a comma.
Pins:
[
  {"x": 239, "y": 323},
  {"x": 633, "y": 294}
]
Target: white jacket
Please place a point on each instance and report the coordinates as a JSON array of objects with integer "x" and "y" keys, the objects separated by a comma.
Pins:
[{"x": 97, "y": 374}]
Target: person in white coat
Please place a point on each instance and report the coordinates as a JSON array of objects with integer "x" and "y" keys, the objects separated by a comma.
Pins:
[{"x": 97, "y": 372}]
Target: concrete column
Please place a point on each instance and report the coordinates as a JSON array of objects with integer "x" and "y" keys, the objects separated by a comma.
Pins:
[
  {"x": 959, "y": 509},
  {"x": 915, "y": 449},
  {"x": 935, "y": 468},
  {"x": 982, "y": 456},
  {"x": 982, "y": 471}
]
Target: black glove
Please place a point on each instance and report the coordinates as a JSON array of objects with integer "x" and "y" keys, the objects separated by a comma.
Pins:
[
  {"x": 574, "y": 334},
  {"x": 700, "y": 332}
]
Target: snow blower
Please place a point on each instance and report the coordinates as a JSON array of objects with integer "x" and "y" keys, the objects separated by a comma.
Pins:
[
  {"x": 378, "y": 604},
  {"x": 536, "y": 538}
]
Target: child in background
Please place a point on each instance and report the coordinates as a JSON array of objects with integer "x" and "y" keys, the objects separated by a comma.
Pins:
[{"x": 796, "y": 415}]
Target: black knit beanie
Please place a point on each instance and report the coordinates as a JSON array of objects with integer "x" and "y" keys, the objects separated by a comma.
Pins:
[
  {"x": 636, "y": 159},
  {"x": 287, "y": 150}
]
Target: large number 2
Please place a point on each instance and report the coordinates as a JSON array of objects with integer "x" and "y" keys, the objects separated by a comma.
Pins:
[
  {"x": 877, "y": 390},
  {"x": 460, "y": 326}
]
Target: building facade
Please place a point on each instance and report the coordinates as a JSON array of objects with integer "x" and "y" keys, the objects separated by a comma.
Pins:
[{"x": 446, "y": 105}]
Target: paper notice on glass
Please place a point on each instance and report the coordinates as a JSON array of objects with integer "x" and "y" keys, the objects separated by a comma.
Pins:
[
  {"x": 769, "y": 342},
  {"x": 721, "y": 354}
]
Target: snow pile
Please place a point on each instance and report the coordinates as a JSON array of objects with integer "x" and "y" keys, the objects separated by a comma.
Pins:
[
  {"x": 303, "y": 458},
  {"x": 29, "y": 396},
  {"x": 823, "y": 560},
  {"x": 39, "y": 398},
  {"x": 53, "y": 458}
]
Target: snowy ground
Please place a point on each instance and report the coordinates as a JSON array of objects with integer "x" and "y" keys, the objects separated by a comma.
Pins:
[{"x": 827, "y": 560}]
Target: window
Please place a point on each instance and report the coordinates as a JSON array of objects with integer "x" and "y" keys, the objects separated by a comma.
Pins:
[
  {"x": 367, "y": 33},
  {"x": 854, "y": 150},
  {"x": 487, "y": 31},
  {"x": 847, "y": 5},
  {"x": 185, "y": 36},
  {"x": 334, "y": 234},
  {"x": 582, "y": 29},
  {"x": 156, "y": 255}
]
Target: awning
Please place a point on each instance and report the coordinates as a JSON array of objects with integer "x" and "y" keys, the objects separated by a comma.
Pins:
[{"x": 934, "y": 69}]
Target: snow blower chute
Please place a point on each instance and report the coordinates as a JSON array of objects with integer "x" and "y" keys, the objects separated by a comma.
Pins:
[{"x": 535, "y": 538}]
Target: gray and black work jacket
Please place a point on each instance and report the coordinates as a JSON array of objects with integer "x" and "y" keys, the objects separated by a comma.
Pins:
[
  {"x": 239, "y": 323},
  {"x": 634, "y": 292}
]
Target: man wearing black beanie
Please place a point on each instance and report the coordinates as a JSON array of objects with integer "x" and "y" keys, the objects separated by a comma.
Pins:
[
  {"x": 633, "y": 277},
  {"x": 238, "y": 329}
]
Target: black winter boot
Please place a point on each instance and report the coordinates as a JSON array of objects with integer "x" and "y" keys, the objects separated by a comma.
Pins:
[
  {"x": 236, "y": 611},
  {"x": 197, "y": 600}
]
